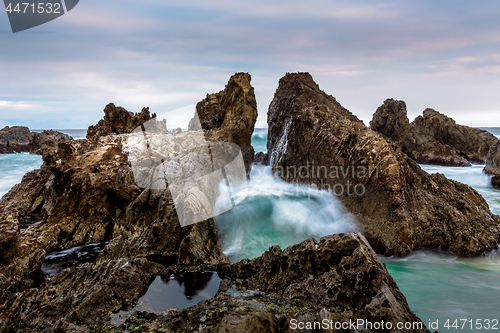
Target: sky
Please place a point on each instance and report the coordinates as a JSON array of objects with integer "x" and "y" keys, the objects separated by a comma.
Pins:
[{"x": 168, "y": 55}]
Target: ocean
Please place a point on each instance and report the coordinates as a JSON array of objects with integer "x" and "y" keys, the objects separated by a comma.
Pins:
[{"x": 437, "y": 286}]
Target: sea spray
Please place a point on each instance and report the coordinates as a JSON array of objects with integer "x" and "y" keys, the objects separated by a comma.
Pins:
[{"x": 269, "y": 211}]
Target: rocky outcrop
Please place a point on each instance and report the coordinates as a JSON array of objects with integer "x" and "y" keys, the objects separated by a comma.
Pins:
[
  {"x": 46, "y": 138},
  {"x": 493, "y": 164},
  {"x": 336, "y": 280},
  {"x": 15, "y": 139},
  {"x": 432, "y": 138},
  {"x": 314, "y": 140},
  {"x": 117, "y": 120},
  {"x": 19, "y": 139},
  {"x": 230, "y": 115}
]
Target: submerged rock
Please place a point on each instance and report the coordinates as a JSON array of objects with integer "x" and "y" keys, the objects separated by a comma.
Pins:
[
  {"x": 493, "y": 164},
  {"x": 261, "y": 158},
  {"x": 314, "y": 140},
  {"x": 230, "y": 115},
  {"x": 432, "y": 138}
]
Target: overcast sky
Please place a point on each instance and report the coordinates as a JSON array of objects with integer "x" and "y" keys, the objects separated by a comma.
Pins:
[{"x": 170, "y": 54}]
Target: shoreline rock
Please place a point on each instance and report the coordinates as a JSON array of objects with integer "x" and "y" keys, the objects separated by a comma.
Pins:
[
  {"x": 399, "y": 206},
  {"x": 492, "y": 167},
  {"x": 19, "y": 139},
  {"x": 337, "y": 279},
  {"x": 431, "y": 138}
]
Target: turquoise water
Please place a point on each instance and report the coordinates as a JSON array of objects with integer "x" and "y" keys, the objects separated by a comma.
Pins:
[
  {"x": 270, "y": 211},
  {"x": 259, "y": 140},
  {"x": 14, "y": 166}
]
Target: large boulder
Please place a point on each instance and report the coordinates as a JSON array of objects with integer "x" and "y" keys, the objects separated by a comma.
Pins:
[
  {"x": 432, "y": 138},
  {"x": 117, "y": 120},
  {"x": 230, "y": 115},
  {"x": 493, "y": 164},
  {"x": 15, "y": 139},
  {"x": 334, "y": 281},
  {"x": 400, "y": 208}
]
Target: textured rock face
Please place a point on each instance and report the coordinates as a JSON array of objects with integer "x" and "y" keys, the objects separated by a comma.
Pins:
[
  {"x": 18, "y": 139},
  {"x": 15, "y": 139},
  {"x": 313, "y": 139},
  {"x": 493, "y": 164},
  {"x": 230, "y": 115},
  {"x": 338, "y": 279},
  {"x": 432, "y": 138},
  {"x": 46, "y": 138},
  {"x": 117, "y": 120}
]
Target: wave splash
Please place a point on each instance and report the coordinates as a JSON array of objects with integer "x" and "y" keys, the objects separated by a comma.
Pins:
[{"x": 270, "y": 212}]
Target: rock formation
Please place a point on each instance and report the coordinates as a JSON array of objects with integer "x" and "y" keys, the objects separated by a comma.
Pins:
[
  {"x": 85, "y": 192},
  {"x": 261, "y": 158},
  {"x": 313, "y": 139},
  {"x": 338, "y": 279},
  {"x": 432, "y": 138},
  {"x": 15, "y": 139},
  {"x": 19, "y": 139},
  {"x": 46, "y": 138},
  {"x": 117, "y": 120},
  {"x": 230, "y": 115},
  {"x": 493, "y": 164}
]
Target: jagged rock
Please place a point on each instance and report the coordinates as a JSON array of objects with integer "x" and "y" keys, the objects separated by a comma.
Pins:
[
  {"x": 18, "y": 139},
  {"x": 117, "y": 120},
  {"x": 230, "y": 115},
  {"x": 314, "y": 140},
  {"x": 46, "y": 138},
  {"x": 15, "y": 139},
  {"x": 432, "y": 138},
  {"x": 493, "y": 164},
  {"x": 261, "y": 158},
  {"x": 338, "y": 279}
]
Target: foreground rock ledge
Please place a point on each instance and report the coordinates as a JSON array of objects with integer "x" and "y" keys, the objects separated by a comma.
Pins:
[
  {"x": 399, "y": 206},
  {"x": 432, "y": 138},
  {"x": 338, "y": 279}
]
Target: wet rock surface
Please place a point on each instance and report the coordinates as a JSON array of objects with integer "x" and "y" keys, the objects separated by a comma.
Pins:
[
  {"x": 230, "y": 115},
  {"x": 399, "y": 206},
  {"x": 261, "y": 158},
  {"x": 432, "y": 138},
  {"x": 493, "y": 164}
]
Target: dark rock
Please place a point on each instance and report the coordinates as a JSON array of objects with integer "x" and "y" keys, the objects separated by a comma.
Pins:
[
  {"x": 15, "y": 139},
  {"x": 338, "y": 279},
  {"x": 230, "y": 115},
  {"x": 117, "y": 120},
  {"x": 399, "y": 206},
  {"x": 432, "y": 138},
  {"x": 261, "y": 158},
  {"x": 46, "y": 138},
  {"x": 493, "y": 164}
]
